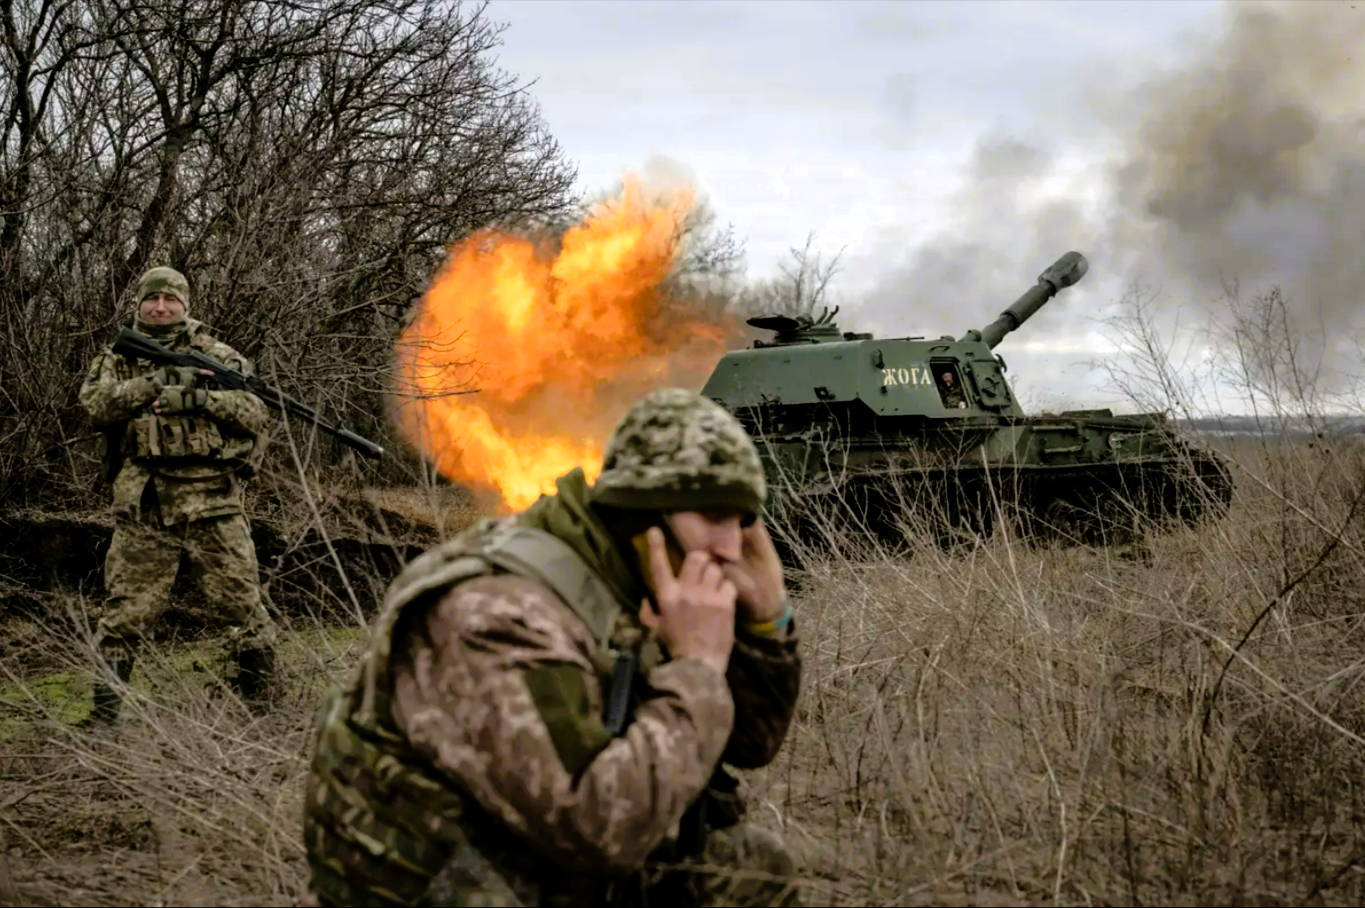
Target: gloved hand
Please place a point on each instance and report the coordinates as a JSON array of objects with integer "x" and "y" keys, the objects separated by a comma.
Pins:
[
  {"x": 180, "y": 399},
  {"x": 167, "y": 376},
  {"x": 140, "y": 390}
]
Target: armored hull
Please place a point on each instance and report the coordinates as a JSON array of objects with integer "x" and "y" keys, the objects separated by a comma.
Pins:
[{"x": 873, "y": 433}]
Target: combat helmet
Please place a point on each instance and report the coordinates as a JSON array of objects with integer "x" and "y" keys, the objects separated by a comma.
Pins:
[
  {"x": 164, "y": 280},
  {"x": 676, "y": 450}
]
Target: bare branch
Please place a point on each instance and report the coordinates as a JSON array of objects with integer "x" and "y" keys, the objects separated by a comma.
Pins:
[{"x": 305, "y": 162}]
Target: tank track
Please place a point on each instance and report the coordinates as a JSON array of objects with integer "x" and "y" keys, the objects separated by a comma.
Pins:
[{"x": 1094, "y": 505}]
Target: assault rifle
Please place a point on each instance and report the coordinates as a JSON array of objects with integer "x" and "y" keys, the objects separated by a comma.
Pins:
[{"x": 137, "y": 345}]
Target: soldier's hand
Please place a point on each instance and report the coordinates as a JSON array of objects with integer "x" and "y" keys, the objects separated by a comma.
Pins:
[
  {"x": 757, "y": 576},
  {"x": 179, "y": 399},
  {"x": 140, "y": 390},
  {"x": 169, "y": 376},
  {"x": 696, "y": 608}
]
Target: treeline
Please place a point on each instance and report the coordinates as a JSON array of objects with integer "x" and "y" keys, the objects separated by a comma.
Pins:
[{"x": 304, "y": 162}]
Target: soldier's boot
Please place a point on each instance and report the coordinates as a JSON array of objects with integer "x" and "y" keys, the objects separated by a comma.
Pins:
[
  {"x": 255, "y": 678},
  {"x": 108, "y": 697}
]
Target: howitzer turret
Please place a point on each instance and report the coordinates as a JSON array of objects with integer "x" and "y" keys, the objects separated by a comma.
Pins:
[
  {"x": 868, "y": 427},
  {"x": 1064, "y": 272}
]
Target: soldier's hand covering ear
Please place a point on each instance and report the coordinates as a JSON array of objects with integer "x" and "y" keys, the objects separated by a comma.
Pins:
[
  {"x": 179, "y": 399},
  {"x": 696, "y": 608},
  {"x": 757, "y": 576}
]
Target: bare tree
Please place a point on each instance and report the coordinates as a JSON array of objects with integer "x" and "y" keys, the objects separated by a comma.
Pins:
[
  {"x": 1269, "y": 361},
  {"x": 709, "y": 255},
  {"x": 710, "y": 267},
  {"x": 801, "y": 287},
  {"x": 1252, "y": 349},
  {"x": 1157, "y": 373},
  {"x": 304, "y": 162}
]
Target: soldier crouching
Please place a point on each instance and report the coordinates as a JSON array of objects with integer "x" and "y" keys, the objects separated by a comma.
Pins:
[
  {"x": 548, "y": 700},
  {"x": 179, "y": 453}
]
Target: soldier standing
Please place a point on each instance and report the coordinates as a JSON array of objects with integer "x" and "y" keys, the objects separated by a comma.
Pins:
[
  {"x": 179, "y": 453},
  {"x": 548, "y": 698}
]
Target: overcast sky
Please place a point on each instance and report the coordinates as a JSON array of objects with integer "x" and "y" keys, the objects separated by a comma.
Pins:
[{"x": 954, "y": 149}]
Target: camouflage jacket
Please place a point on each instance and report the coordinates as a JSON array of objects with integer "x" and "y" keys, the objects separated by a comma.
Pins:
[
  {"x": 203, "y": 476},
  {"x": 482, "y": 714}
]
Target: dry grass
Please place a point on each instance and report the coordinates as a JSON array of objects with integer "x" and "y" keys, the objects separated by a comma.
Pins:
[
  {"x": 192, "y": 800},
  {"x": 995, "y": 725}
]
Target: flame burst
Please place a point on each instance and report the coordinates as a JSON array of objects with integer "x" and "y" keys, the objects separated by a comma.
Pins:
[{"x": 559, "y": 344}]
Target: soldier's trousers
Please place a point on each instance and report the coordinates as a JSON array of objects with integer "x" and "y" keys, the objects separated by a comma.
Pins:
[{"x": 144, "y": 559}]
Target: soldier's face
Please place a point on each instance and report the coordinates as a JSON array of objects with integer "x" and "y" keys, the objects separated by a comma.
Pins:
[
  {"x": 947, "y": 379},
  {"x": 161, "y": 309},
  {"x": 719, "y": 533}
]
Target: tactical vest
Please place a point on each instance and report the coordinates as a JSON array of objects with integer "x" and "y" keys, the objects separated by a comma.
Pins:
[
  {"x": 154, "y": 439},
  {"x": 379, "y": 826}
]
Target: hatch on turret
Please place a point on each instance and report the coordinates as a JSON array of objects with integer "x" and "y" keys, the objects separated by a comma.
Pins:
[
  {"x": 802, "y": 329},
  {"x": 782, "y": 324}
]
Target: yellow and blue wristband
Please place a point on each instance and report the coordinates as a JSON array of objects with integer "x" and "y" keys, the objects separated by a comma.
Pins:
[{"x": 768, "y": 628}]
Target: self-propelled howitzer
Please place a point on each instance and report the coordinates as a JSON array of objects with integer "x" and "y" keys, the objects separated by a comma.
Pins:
[{"x": 897, "y": 433}]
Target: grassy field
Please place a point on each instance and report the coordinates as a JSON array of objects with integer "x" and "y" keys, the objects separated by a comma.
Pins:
[{"x": 999, "y": 724}]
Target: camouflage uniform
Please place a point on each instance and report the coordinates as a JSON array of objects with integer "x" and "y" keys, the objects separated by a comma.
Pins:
[
  {"x": 953, "y": 397},
  {"x": 178, "y": 493},
  {"x": 468, "y": 762}
]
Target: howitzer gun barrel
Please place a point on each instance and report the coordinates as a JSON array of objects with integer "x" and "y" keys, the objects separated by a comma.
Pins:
[{"x": 1064, "y": 272}]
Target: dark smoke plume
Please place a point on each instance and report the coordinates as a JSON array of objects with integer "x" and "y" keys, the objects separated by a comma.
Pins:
[
  {"x": 1245, "y": 163},
  {"x": 1249, "y": 166}
]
